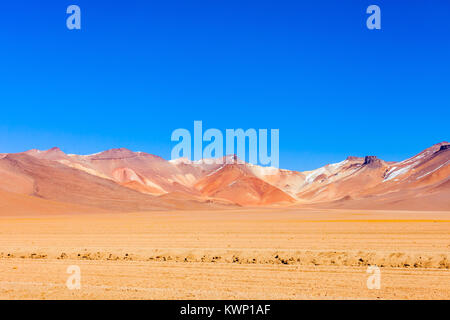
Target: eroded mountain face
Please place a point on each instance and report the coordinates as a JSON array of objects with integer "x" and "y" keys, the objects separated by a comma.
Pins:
[{"x": 125, "y": 180}]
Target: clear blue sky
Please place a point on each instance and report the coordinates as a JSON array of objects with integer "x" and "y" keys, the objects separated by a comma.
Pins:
[{"x": 140, "y": 69}]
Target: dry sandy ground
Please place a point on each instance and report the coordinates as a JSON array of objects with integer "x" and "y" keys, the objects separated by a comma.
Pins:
[{"x": 235, "y": 254}]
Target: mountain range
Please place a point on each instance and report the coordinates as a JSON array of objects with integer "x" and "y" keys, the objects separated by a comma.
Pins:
[{"x": 52, "y": 181}]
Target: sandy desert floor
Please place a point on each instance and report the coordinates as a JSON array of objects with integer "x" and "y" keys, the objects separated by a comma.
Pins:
[{"x": 234, "y": 254}]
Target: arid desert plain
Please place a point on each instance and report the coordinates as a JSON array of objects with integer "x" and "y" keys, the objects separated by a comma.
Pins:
[
  {"x": 227, "y": 254},
  {"x": 131, "y": 225}
]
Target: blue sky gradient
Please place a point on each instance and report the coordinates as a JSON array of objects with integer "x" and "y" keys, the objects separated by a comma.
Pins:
[{"x": 140, "y": 69}]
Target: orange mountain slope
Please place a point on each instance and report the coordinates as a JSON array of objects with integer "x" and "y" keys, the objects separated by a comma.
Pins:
[
  {"x": 235, "y": 182},
  {"x": 52, "y": 180},
  {"x": 123, "y": 180}
]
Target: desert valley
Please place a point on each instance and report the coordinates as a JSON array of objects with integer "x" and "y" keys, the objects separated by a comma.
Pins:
[{"x": 142, "y": 227}]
